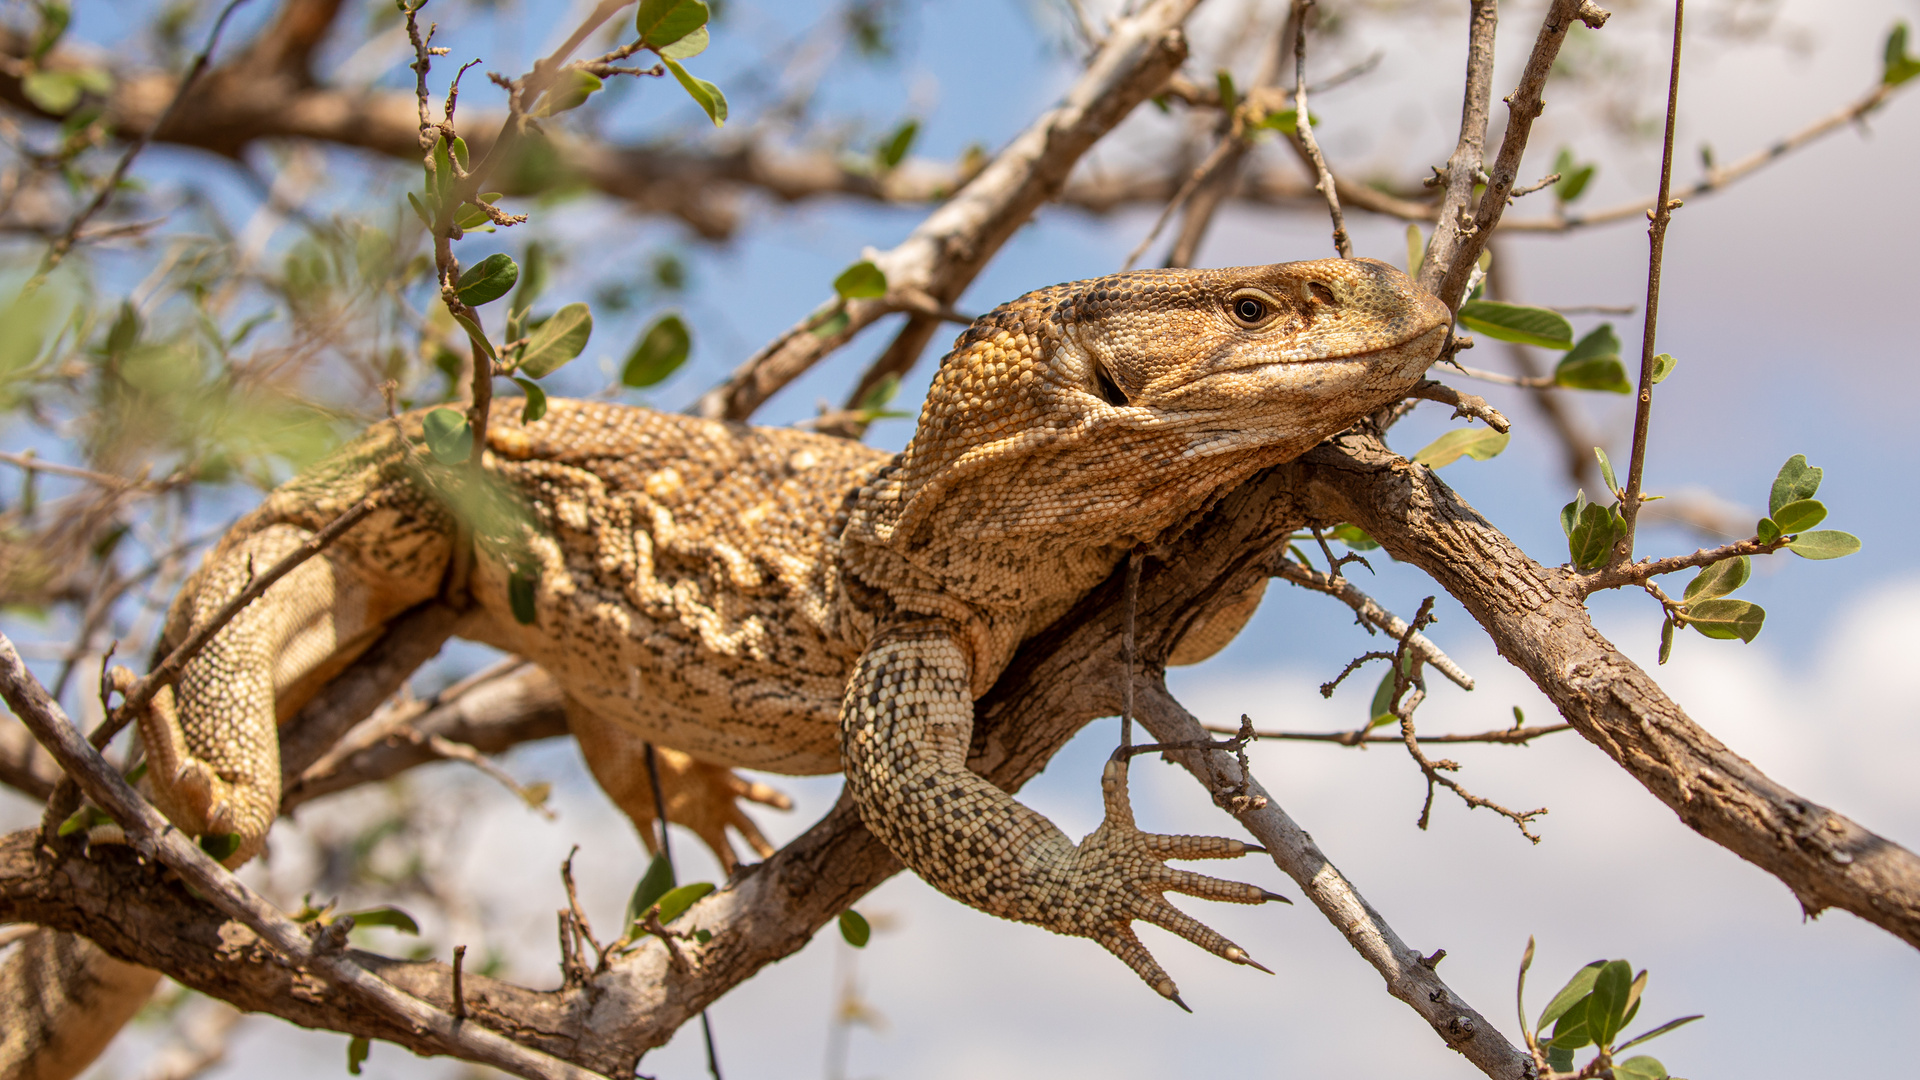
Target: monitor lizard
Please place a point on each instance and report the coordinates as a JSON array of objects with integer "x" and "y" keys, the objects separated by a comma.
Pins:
[{"x": 795, "y": 603}]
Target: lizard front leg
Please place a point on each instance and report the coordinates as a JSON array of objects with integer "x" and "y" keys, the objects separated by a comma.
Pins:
[{"x": 906, "y": 725}]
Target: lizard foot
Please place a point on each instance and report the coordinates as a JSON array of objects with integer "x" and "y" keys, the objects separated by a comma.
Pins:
[
  {"x": 706, "y": 799},
  {"x": 1120, "y": 875}
]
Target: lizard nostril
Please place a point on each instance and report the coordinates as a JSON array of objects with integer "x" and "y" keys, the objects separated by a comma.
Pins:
[{"x": 1320, "y": 292}]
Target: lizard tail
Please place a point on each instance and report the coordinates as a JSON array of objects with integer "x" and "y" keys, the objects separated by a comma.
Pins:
[{"x": 64, "y": 999}]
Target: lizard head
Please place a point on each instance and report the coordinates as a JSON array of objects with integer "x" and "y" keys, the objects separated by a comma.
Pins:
[{"x": 1125, "y": 398}]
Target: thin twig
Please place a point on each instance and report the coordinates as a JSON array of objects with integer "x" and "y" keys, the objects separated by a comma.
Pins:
[
  {"x": 1506, "y": 736},
  {"x": 1372, "y": 615},
  {"x": 1656, "y": 246},
  {"x": 320, "y": 954},
  {"x": 1303, "y": 129},
  {"x": 32, "y": 463},
  {"x": 1463, "y": 166},
  {"x": 62, "y": 244}
]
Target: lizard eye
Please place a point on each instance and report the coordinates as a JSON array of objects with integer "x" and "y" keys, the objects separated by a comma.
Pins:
[{"x": 1249, "y": 310}]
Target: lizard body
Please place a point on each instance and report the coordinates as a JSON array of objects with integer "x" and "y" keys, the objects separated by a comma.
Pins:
[{"x": 795, "y": 603}]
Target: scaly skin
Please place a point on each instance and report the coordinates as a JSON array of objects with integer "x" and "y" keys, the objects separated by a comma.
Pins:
[{"x": 776, "y": 600}]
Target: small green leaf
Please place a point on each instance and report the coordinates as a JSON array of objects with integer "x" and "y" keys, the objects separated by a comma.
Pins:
[
  {"x": 1657, "y": 1032},
  {"x": 893, "y": 149},
  {"x": 1560, "y": 1058},
  {"x": 703, "y": 936},
  {"x": 1824, "y": 544},
  {"x": 704, "y": 94},
  {"x": 1380, "y": 709},
  {"x": 220, "y": 846},
  {"x": 1223, "y": 81},
  {"x": 1899, "y": 66},
  {"x": 1719, "y": 579},
  {"x": 677, "y": 901},
  {"x": 536, "y": 406},
  {"x": 663, "y": 22},
  {"x": 440, "y": 182},
  {"x": 471, "y": 218},
  {"x": 1606, "y": 470},
  {"x": 1666, "y": 639},
  {"x": 853, "y": 927},
  {"x": 1607, "y": 1008},
  {"x": 357, "y": 1049},
  {"x": 1726, "y": 619},
  {"x": 1285, "y": 121},
  {"x": 1478, "y": 443},
  {"x": 520, "y": 597},
  {"x": 426, "y": 217},
  {"x": 659, "y": 352},
  {"x": 533, "y": 278},
  {"x": 1570, "y": 513},
  {"x": 570, "y": 91},
  {"x": 1594, "y": 363},
  {"x": 1574, "y": 1029},
  {"x": 861, "y": 281},
  {"x": 690, "y": 46},
  {"x": 385, "y": 916},
  {"x": 83, "y": 820},
  {"x": 487, "y": 280},
  {"x": 1663, "y": 365},
  {"x": 1416, "y": 250},
  {"x": 1577, "y": 988},
  {"x": 53, "y": 92},
  {"x": 1766, "y": 531},
  {"x": 1517, "y": 322},
  {"x": 1591, "y": 538},
  {"x": 653, "y": 885},
  {"x": 558, "y": 340},
  {"x": 1574, "y": 177},
  {"x": 477, "y": 335},
  {"x": 449, "y": 436},
  {"x": 834, "y": 324},
  {"x": 1799, "y": 515},
  {"x": 1640, "y": 1067},
  {"x": 1796, "y": 480},
  {"x": 1353, "y": 536}
]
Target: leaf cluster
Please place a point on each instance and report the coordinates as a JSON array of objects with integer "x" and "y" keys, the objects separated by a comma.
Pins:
[{"x": 1593, "y": 1009}]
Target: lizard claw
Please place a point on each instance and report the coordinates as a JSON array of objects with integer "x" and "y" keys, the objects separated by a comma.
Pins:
[{"x": 1120, "y": 876}]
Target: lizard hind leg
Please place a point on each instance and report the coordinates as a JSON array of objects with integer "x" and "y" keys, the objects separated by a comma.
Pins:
[{"x": 703, "y": 797}]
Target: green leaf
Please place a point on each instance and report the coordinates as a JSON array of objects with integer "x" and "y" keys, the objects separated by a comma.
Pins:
[
  {"x": 57, "y": 92},
  {"x": 1574, "y": 1029},
  {"x": 83, "y": 819},
  {"x": 570, "y": 91},
  {"x": 1592, "y": 535},
  {"x": 1657, "y": 1032},
  {"x": 1560, "y": 1058},
  {"x": 1223, "y": 81},
  {"x": 385, "y": 916},
  {"x": 1574, "y": 177},
  {"x": 1824, "y": 544},
  {"x": 1380, "y": 710},
  {"x": 125, "y": 331},
  {"x": 1799, "y": 515},
  {"x": 426, "y": 216},
  {"x": 677, "y": 901},
  {"x": 692, "y": 45},
  {"x": 1526, "y": 958},
  {"x": 704, "y": 94},
  {"x": 1477, "y": 443},
  {"x": 1570, "y": 513},
  {"x": 893, "y": 150},
  {"x": 520, "y": 590},
  {"x": 440, "y": 183},
  {"x": 220, "y": 845},
  {"x": 558, "y": 340},
  {"x": 1719, "y": 579},
  {"x": 1766, "y": 531},
  {"x": 838, "y": 322},
  {"x": 533, "y": 278},
  {"x": 653, "y": 885},
  {"x": 1594, "y": 363},
  {"x": 471, "y": 218},
  {"x": 449, "y": 436},
  {"x": 1577, "y": 988},
  {"x": 1607, "y": 1008},
  {"x": 1353, "y": 536},
  {"x": 1796, "y": 480},
  {"x": 487, "y": 280},
  {"x": 663, "y": 22},
  {"x": 477, "y": 335},
  {"x": 1517, "y": 322},
  {"x": 536, "y": 406},
  {"x": 861, "y": 281},
  {"x": 357, "y": 1048},
  {"x": 1606, "y": 470},
  {"x": 1726, "y": 619},
  {"x": 1899, "y": 66},
  {"x": 1416, "y": 250},
  {"x": 1285, "y": 121},
  {"x": 1666, "y": 639},
  {"x": 1663, "y": 365},
  {"x": 853, "y": 927},
  {"x": 1640, "y": 1067},
  {"x": 659, "y": 352}
]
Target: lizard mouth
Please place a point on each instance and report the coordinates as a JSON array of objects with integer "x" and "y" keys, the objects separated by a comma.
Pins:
[{"x": 1408, "y": 357}]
